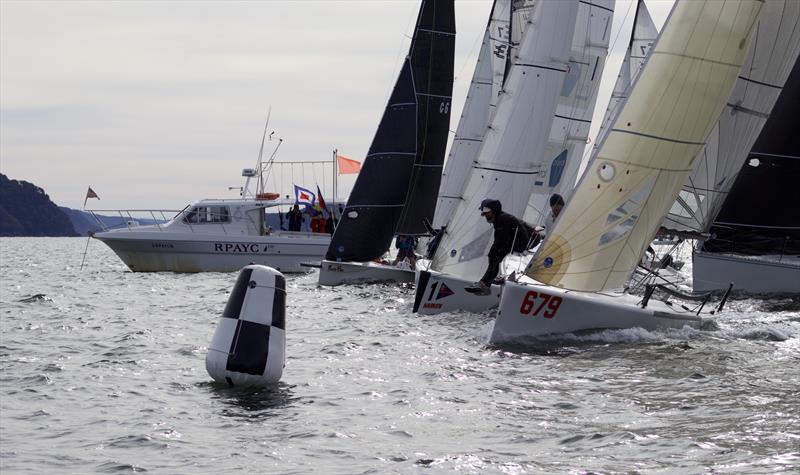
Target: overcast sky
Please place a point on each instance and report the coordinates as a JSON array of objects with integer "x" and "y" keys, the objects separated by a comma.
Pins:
[{"x": 156, "y": 104}]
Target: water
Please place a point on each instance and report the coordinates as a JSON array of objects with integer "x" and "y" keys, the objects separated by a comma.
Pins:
[{"x": 105, "y": 372}]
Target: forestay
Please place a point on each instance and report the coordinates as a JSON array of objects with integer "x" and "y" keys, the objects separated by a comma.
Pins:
[
  {"x": 773, "y": 51},
  {"x": 569, "y": 132},
  {"x": 639, "y": 168},
  {"x": 399, "y": 181},
  {"x": 480, "y": 104},
  {"x": 514, "y": 143}
]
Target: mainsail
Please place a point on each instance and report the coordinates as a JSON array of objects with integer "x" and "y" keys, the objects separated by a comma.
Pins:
[
  {"x": 761, "y": 214},
  {"x": 513, "y": 147},
  {"x": 569, "y": 133},
  {"x": 479, "y": 106},
  {"x": 773, "y": 51},
  {"x": 399, "y": 181},
  {"x": 641, "y": 164}
]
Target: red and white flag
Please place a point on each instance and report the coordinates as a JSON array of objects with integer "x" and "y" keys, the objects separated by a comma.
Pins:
[{"x": 90, "y": 194}]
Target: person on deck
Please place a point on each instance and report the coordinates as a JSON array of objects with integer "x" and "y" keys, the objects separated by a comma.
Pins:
[
  {"x": 510, "y": 233},
  {"x": 295, "y": 218},
  {"x": 556, "y": 204},
  {"x": 406, "y": 244}
]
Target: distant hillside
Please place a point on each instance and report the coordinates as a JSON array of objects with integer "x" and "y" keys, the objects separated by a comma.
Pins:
[{"x": 26, "y": 210}]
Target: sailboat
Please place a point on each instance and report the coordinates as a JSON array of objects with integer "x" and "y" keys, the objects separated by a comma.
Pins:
[
  {"x": 631, "y": 181},
  {"x": 540, "y": 127},
  {"x": 398, "y": 183},
  {"x": 755, "y": 239}
]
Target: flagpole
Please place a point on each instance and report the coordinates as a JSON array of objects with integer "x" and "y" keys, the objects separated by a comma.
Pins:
[{"x": 335, "y": 179}]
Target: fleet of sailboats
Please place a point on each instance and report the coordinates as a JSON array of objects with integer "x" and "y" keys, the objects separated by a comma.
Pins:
[
  {"x": 696, "y": 140},
  {"x": 530, "y": 149}
]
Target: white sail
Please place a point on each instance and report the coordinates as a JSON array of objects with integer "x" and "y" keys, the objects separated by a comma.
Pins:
[
  {"x": 773, "y": 52},
  {"x": 576, "y": 102},
  {"x": 479, "y": 106},
  {"x": 636, "y": 174},
  {"x": 514, "y": 143},
  {"x": 643, "y": 36}
]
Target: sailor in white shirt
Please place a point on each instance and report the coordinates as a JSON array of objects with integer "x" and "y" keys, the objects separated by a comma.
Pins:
[{"x": 556, "y": 204}]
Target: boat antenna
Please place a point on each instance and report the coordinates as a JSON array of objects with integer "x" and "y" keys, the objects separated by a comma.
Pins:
[{"x": 261, "y": 153}]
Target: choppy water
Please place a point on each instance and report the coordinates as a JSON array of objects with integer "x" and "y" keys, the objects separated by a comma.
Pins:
[{"x": 105, "y": 372}]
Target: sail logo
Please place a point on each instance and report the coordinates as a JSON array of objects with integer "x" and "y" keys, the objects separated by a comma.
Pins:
[
  {"x": 444, "y": 291},
  {"x": 548, "y": 262},
  {"x": 624, "y": 217}
]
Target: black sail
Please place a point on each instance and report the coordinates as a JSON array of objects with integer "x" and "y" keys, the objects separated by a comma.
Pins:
[
  {"x": 399, "y": 180},
  {"x": 761, "y": 215}
]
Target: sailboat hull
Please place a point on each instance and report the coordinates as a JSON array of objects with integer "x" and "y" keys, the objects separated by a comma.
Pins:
[
  {"x": 711, "y": 271},
  {"x": 532, "y": 310},
  {"x": 338, "y": 273},
  {"x": 439, "y": 293}
]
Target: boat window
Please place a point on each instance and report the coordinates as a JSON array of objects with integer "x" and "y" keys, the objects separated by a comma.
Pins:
[{"x": 208, "y": 214}]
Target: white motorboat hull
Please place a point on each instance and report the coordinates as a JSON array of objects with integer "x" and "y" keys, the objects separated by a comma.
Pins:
[
  {"x": 337, "y": 273},
  {"x": 173, "y": 252},
  {"x": 711, "y": 271},
  {"x": 438, "y": 293},
  {"x": 532, "y": 310}
]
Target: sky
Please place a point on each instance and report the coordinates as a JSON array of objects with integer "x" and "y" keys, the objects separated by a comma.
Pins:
[{"x": 155, "y": 104}]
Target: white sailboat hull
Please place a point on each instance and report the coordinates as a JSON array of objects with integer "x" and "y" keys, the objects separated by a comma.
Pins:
[
  {"x": 439, "y": 293},
  {"x": 337, "y": 273},
  {"x": 531, "y": 310},
  {"x": 748, "y": 274},
  {"x": 183, "y": 252}
]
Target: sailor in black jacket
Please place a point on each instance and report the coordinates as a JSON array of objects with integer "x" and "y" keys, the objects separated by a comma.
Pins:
[{"x": 510, "y": 234}]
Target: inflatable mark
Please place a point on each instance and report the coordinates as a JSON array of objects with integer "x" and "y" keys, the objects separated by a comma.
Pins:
[{"x": 248, "y": 348}]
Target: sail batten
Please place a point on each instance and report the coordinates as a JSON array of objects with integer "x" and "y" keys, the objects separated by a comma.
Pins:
[{"x": 641, "y": 163}]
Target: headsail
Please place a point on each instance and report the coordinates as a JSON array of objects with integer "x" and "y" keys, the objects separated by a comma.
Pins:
[
  {"x": 514, "y": 143},
  {"x": 576, "y": 102},
  {"x": 761, "y": 214},
  {"x": 773, "y": 51},
  {"x": 643, "y": 36},
  {"x": 399, "y": 180},
  {"x": 633, "y": 179},
  {"x": 479, "y": 106}
]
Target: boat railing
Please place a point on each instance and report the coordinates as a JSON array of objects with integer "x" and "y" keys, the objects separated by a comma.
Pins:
[{"x": 131, "y": 218}]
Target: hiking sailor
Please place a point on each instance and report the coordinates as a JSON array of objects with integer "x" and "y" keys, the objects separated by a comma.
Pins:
[{"x": 510, "y": 233}]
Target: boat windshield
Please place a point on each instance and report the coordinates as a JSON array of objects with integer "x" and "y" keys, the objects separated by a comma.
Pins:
[{"x": 207, "y": 214}]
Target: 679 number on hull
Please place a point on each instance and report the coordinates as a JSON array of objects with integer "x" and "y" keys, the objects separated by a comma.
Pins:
[{"x": 535, "y": 303}]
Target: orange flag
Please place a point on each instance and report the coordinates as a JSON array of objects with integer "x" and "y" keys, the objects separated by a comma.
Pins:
[{"x": 347, "y": 165}]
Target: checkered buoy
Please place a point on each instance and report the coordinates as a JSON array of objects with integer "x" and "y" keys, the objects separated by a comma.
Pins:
[{"x": 249, "y": 345}]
